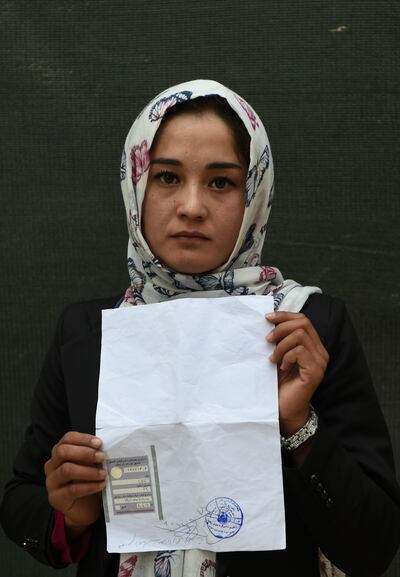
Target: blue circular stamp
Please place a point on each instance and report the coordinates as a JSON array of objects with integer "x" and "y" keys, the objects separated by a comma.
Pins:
[{"x": 224, "y": 517}]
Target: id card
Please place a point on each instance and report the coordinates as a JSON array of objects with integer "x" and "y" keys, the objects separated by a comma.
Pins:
[{"x": 130, "y": 484}]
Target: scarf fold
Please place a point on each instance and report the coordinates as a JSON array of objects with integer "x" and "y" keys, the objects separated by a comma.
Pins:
[
  {"x": 151, "y": 281},
  {"x": 194, "y": 563}
]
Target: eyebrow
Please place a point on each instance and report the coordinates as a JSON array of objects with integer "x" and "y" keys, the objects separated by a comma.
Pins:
[
  {"x": 166, "y": 161},
  {"x": 211, "y": 165}
]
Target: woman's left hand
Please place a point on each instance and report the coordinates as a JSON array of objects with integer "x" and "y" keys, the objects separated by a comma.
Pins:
[{"x": 302, "y": 360}]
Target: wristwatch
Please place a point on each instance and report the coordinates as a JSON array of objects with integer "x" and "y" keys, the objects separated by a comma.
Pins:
[{"x": 307, "y": 431}]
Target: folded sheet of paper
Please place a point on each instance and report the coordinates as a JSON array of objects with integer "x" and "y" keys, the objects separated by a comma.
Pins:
[{"x": 188, "y": 414}]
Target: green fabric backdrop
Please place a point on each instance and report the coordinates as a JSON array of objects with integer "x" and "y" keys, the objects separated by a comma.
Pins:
[{"x": 324, "y": 76}]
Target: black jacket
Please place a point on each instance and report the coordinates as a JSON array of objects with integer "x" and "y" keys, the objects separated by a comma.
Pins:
[{"x": 344, "y": 499}]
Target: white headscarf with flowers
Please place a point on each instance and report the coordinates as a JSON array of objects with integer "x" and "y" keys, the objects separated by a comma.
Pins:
[{"x": 242, "y": 274}]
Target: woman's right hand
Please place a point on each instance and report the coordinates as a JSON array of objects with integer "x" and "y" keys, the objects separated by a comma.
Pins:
[{"x": 74, "y": 480}]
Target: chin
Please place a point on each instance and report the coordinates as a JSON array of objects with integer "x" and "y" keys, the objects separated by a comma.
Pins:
[{"x": 191, "y": 267}]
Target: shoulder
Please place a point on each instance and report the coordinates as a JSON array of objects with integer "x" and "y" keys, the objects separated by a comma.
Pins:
[
  {"x": 323, "y": 306},
  {"x": 328, "y": 314},
  {"x": 79, "y": 319}
]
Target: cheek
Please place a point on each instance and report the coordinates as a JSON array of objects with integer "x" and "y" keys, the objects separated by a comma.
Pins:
[
  {"x": 231, "y": 219},
  {"x": 149, "y": 215},
  {"x": 236, "y": 213},
  {"x": 156, "y": 214}
]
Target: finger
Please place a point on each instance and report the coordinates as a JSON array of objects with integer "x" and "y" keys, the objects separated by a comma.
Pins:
[
  {"x": 63, "y": 452},
  {"x": 298, "y": 320},
  {"x": 278, "y": 317},
  {"x": 64, "y": 498},
  {"x": 302, "y": 357},
  {"x": 291, "y": 341},
  {"x": 71, "y": 472},
  {"x": 85, "y": 439},
  {"x": 75, "y": 438},
  {"x": 301, "y": 322}
]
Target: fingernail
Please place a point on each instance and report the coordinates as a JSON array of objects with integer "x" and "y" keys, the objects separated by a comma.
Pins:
[
  {"x": 270, "y": 336},
  {"x": 96, "y": 442},
  {"x": 99, "y": 456},
  {"x": 270, "y": 316}
]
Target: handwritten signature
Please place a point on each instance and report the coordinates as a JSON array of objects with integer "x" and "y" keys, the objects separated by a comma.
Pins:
[{"x": 185, "y": 533}]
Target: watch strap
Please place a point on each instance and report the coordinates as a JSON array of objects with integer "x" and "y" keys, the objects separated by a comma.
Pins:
[{"x": 308, "y": 430}]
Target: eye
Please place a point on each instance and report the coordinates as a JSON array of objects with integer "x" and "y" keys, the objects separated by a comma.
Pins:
[
  {"x": 222, "y": 182},
  {"x": 166, "y": 177}
]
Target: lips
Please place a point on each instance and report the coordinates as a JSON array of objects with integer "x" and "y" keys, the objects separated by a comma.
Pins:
[{"x": 191, "y": 234}]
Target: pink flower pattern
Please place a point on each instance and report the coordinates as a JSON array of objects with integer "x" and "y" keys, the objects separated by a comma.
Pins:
[
  {"x": 267, "y": 273},
  {"x": 161, "y": 106},
  {"x": 249, "y": 111},
  {"x": 129, "y": 298},
  {"x": 208, "y": 568},
  {"x": 126, "y": 568},
  {"x": 140, "y": 159}
]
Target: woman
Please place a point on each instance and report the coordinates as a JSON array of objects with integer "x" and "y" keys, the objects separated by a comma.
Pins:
[{"x": 197, "y": 181}]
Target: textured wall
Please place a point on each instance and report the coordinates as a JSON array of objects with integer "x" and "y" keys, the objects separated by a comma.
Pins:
[{"x": 324, "y": 77}]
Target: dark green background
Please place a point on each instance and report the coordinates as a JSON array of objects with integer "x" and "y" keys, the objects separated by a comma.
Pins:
[{"x": 323, "y": 75}]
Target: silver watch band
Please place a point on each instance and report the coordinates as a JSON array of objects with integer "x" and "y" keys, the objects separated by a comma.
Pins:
[{"x": 307, "y": 431}]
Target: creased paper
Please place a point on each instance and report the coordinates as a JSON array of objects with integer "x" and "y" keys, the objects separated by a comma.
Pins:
[{"x": 188, "y": 415}]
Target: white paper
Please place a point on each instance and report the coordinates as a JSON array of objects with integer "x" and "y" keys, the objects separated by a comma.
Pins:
[{"x": 188, "y": 414}]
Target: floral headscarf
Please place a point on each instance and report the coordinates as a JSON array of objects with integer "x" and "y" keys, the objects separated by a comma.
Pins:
[{"x": 242, "y": 274}]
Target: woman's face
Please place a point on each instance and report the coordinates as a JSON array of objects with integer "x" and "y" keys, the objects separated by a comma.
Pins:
[{"x": 195, "y": 194}]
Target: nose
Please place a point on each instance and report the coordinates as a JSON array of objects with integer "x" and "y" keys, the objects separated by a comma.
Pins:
[{"x": 192, "y": 202}]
